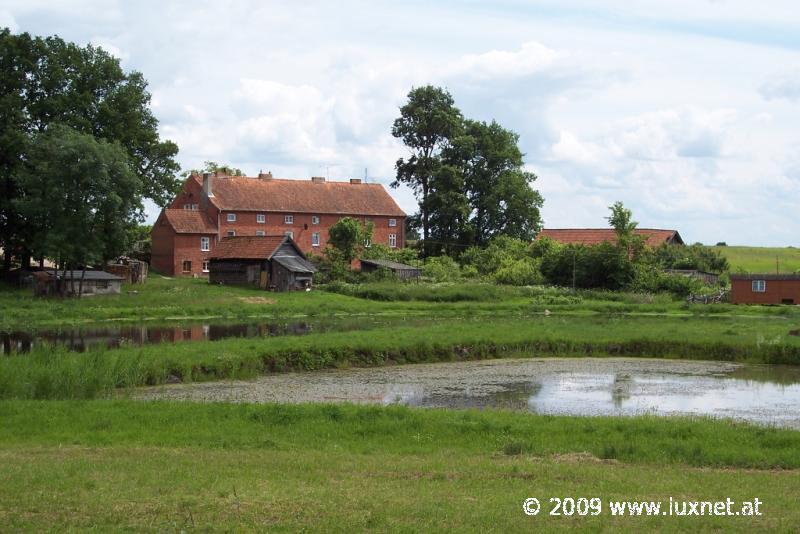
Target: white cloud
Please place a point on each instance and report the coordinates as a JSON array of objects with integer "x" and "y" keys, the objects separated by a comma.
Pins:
[
  {"x": 7, "y": 21},
  {"x": 784, "y": 86}
]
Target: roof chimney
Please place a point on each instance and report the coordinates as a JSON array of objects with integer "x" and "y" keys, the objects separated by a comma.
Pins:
[
  {"x": 208, "y": 178},
  {"x": 355, "y": 180},
  {"x": 265, "y": 175},
  {"x": 318, "y": 179}
]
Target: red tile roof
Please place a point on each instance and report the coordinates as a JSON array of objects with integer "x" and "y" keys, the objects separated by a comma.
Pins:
[
  {"x": 301, "y": 196},
  {"x": 593, "y": 236},
  {"x": 247, "y": 247},
  {"x": 189, "y": 222}
]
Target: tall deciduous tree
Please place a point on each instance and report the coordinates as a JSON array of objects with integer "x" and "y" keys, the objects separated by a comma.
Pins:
[
  {"x": 47, "y": 81},
  {"x": 427, "y": 123},
  {"x": 621, "y": 220},
  {"x": 499, "y": 190},
  {"x": 80, "y": 195},
  {"x": 348, "y": 237}
]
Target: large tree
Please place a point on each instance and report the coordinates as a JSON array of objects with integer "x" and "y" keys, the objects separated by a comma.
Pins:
[
  {"x": 499, "y": 190},
  {"x": 427, "y": 123},
  {"x": 79, "y": 195},
  {"x": 47, "y": 81}
]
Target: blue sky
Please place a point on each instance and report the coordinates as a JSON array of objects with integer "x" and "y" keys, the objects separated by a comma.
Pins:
[{"x": 686, "y": 111}]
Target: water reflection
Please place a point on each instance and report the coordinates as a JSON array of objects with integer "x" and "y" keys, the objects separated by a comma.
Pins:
[{"x": 80, "y": 339}]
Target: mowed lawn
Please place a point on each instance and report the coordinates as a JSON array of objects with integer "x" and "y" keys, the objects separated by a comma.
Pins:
[
  {"x": 762, "y": 259},
  {"x": 180, "y": 466}
]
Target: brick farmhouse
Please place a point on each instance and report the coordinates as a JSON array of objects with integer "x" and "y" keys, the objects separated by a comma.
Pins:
[{"x": 213, "y": 206}]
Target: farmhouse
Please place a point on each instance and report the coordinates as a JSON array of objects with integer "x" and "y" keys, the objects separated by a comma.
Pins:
[
  {"x": 214, "y": 206},
  {"x": 765, "y": 288},
  {"x": 269, "y": 262},
  {"x": 594, "y": 236}
]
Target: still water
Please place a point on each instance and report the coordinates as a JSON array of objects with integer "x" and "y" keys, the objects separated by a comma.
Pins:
[{"x": 579, "y": 386}]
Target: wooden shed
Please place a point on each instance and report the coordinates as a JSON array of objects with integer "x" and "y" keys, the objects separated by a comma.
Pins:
[
  {"x": 268, "y": 262},
  {"x": 765, "y": 288},
  {"x": 400, "y": 270},
  {"x": 47, "y": 283}
]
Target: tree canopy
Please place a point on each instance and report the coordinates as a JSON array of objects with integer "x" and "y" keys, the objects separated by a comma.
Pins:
[
  {"x": 468, "y": 175},
  {"x": 47, "y": 82}
]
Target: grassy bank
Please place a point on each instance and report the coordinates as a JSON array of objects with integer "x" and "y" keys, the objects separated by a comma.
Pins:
[
  {"x": 762, "y": 259},
  {"x": 60, "y": 374},
  {"x": 172, "y": 466}
]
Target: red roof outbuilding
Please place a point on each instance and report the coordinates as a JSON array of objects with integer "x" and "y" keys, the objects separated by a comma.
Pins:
[{"x": 594, "y": 236}]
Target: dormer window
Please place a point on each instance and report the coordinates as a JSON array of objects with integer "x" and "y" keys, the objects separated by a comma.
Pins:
[{"x": 231, "y": 217}]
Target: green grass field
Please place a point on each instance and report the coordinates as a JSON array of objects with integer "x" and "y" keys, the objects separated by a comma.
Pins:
[
  {"x": 179, "y": 466},
  {"x": 762, "y": 259}
]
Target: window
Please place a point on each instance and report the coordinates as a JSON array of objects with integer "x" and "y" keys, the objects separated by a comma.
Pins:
[
  {"x": 315, "y": 219},
  {"x": 289, "y": 234},
  {"x": 288, "y": 219},
  {"x": 367, "y": 242},
  {"x": 392, "y": 222},
  {"x": 187, "y": 206},
  {"x": 231, "y": 217},
  {"x": 759, "y": 286},
  {"x": 393, "y": 240},
  {"x": 260, "y": 233},
  {"x": 315, "y": 239},
  {"x": 205, "y": 244},
  {"x": 205, "y": 266},
  {"x": 187, "y": 266},
  {"x": 194, "y": 207},
  {"x": 261, "y": 218},
  {"x": 101, "y": 284},
  {"x": 231, "y": 233}
]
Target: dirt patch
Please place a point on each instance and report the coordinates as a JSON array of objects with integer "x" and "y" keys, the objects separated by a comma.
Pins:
[
  {"x": 258, "y": 300},
  {"x": 582, "y": 458}
]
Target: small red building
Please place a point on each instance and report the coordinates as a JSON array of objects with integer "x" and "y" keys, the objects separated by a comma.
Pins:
[
  {"x": 213, "y": 206},
  {"x": 765, "y": 289}
]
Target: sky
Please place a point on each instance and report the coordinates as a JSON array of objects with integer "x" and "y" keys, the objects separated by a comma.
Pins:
[{"x": 687, "y": 111}]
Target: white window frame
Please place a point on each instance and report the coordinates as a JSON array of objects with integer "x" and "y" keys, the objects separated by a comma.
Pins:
[
  {"x": 289, "y": 233},
  {"x": 260, "y": 233},
  {"x": 315, "y": 219},
  {"x": 315, "y": 239},
  {"x": 288, "y": 219},
  {"x": 194, "y": 207},
  {"x": 205, "y": 244},
  {"x": 392, "y": 240},
  {"x": 758, "y": 286},
  {"x": 261, "y": 218},
  {"x": 205, "y": 266},
  {"x": 231, "y": 217},
  {"x": 231, "y": 233},
  {"x": 367, "y": 243},
  {"x": 392, "y": 222}
]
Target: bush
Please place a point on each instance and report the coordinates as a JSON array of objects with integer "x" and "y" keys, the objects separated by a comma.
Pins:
[
  {"x": 441, "y": 269},
  {"x": 524, "y": 272},
  {"x": 650, "y": 279}
]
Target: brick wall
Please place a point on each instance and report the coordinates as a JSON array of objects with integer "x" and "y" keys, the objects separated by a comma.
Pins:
[
  {"x": 187, "y": 248},
  {"x": 776, "y": 291},
  {"x": 302, "y": 228}
]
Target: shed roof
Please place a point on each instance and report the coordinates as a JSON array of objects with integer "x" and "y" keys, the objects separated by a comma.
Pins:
[
  {"x": 301, "y": 196},
  {"x": 594, "y": 236},
  {"x": 248, "y": 247},
  {"x": 189, "y": 221},
  {"x": 393, "y": 265},
  {"x": 295, "y": 264},
  {"x": 89, "y": 276},
  {"x": 765, "y": 276}
]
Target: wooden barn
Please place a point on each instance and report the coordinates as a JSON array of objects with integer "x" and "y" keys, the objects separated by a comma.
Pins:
[
  {"x": 765, "y": 288},
  {"x": 400, "y": 270},
  {"x": 268, "y": 262}
]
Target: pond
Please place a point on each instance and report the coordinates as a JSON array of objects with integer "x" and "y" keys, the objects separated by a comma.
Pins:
[
  {"x": 559, "y": 386},
  {"x": 80, "y": 339}
]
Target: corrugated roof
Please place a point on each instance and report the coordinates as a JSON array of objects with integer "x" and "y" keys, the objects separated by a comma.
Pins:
[
  {"x": 189, "y": 221},
  {"x": 594, "y": 236},
  {"x": 295, "y": 264},
  {"x": 247, "y": 247},
  {"x": 393, "y": 265},
  {"x": 765, "y": 276},
  {"x": 301, "y": 196},
  {"x": 90, "y": 275}
]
